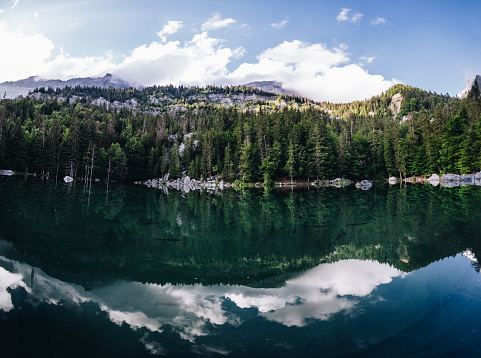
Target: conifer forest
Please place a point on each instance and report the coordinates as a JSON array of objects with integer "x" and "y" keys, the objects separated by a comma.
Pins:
[{"x": 130, "y": 134}]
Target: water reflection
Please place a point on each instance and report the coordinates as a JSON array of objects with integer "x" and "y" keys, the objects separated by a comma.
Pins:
[
  {"x": 318, "y": 293},
  {"x": 8, "y": 280},
  {"x": 190, "y": 310},
  {"x": 348, "y": 293},
  {"x": 234, "y": 237},
  {"x": 330, "y": 271}
]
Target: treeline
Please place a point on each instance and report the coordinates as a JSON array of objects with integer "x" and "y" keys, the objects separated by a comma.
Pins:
[
  {"x": 50, "y": 134},
  {"x": 180, "y": 94}
]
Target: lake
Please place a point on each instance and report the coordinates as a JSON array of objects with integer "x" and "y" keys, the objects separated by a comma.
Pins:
[{"x": 331, "y": 272}]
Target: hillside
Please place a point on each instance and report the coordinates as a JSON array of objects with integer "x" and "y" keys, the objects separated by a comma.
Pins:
[{"x": 237, "y": 133}]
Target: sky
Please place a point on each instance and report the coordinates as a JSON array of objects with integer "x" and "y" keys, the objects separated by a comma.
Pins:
[{"x": 336, "y": 51}]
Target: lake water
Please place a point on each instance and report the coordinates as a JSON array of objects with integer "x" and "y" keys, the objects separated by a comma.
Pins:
[{"x": 388, "y": 272}]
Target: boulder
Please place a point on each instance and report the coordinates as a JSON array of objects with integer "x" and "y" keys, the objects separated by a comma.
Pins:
[
  {"x": 450, "y": 184},
  {"x": 67, "y": 179},
  {"x": 364, "y": 185},
  {"x": 477, "y": 178},
  {"x": 450, "y": 177},
  {"x": 467, "y": 179},
  {"x": 433, "y": 180}
]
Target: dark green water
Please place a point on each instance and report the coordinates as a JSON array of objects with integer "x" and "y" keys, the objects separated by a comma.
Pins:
[{"x": 337, "y": 272}]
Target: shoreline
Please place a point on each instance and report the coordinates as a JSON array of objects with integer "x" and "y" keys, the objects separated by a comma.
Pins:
[{"x": 213, "y": 183}]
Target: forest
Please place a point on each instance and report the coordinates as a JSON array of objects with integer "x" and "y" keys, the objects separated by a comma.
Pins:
[{"x": 133, "y": 134}]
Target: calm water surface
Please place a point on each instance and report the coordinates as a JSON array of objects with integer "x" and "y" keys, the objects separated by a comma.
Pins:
[{"x": 389, "y": 272}]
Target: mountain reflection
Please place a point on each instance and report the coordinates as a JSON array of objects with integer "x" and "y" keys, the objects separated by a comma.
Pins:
[
  {"x": 231, "y": 237},
  {"x": 191, "y": 310},
  {"x": 238, "y": 272}
]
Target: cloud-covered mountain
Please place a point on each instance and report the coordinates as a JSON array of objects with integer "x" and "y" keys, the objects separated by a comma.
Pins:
[
  {"x": 270, "y": 86},
  {"x": 12, "y": 89}
]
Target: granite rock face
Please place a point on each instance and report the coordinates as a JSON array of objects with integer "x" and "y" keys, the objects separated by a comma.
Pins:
[{"x": 470, "y": 85}]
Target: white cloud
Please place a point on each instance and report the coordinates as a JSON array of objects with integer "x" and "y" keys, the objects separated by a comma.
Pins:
[
  {"x": 280, "y": 25},
  {"x": 312, "y": 70},
  {"x": 365, "y": 59},
  {"x": 344, "y": 16},
  {"x": 14, "y": 3},
  {"x": 35, "y": 14},
  {"x": 1, "y": 10},
  {"x": 245, "y": 29},
  {"x": 64, "y": 67},
  {"x": 171, "y": 28},
  {"x": 201, "y": 61},
  {"x": 378, "y": 21},
  {"x": 215, "y": 22},
  {"x": 356, "y": 18},
  {"x": 23, "y": 55}
]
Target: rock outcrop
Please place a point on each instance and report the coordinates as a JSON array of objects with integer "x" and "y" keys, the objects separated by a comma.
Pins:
[
  {"x": 392, "y": 180},
  {"x": 364, "y": 185},
  {"x": 396, "y": 102},
  {"x": 469, "y": 86}
]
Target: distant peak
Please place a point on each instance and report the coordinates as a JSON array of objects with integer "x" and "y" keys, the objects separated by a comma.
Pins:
[
  {"x": 470, "y": 85},
  {"x": 270, "y": 86}
]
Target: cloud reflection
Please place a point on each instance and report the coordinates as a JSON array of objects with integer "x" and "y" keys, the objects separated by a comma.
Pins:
[
  {"x": 8, "y": 280},
  {"x": 193, "y": 311},
  {"x": 318, "y": 293}
]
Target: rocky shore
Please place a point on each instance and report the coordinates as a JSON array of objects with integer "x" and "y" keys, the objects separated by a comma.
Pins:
[
  {"x": 446, "y": 180},
  {"x": 213, "y": 183}
]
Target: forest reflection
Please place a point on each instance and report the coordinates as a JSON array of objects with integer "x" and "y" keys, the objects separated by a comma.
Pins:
[{"x": 236, "y": 237}]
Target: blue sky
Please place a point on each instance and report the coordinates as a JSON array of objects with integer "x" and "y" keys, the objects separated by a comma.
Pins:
[{"x": 326, "y": 50}]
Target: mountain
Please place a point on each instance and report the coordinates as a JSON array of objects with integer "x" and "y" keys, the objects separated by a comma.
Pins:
[
  {"x": 270, "y": 86},
  {"x": 237, "y": 133},
  {"x": 465, "y": 91},
  {"x": 12, "y": 89}
]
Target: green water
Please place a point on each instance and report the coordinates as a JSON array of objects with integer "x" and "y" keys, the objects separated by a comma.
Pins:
[{"x": 332, "y": 272}]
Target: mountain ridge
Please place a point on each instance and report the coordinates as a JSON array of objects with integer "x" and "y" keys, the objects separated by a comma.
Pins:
[{"x": 13, "y": 89}]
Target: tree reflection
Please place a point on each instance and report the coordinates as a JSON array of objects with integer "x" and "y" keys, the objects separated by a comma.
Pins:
[{"x": 235, "y": 236}]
